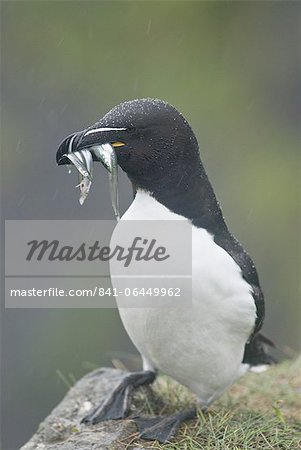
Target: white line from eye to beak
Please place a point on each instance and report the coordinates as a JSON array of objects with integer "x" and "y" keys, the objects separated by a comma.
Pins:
[{"x": 96, "y": 130}]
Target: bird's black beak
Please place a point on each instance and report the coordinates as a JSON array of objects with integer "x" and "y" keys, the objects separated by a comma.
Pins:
[
  {"x": 87, "y": 139},
  {"x": 68, "y": 145}
]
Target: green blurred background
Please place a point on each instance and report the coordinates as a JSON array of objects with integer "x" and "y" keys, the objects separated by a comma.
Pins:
[{"x": 232, "y": 68}]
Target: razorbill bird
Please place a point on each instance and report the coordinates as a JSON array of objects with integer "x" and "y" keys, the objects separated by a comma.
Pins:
[{"x": 211, "y": 343}]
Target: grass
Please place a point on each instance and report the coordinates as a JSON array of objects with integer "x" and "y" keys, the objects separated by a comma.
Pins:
[{"x": 261, "y": 411}]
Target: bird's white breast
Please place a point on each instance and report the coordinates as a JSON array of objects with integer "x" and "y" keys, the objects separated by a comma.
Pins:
[{"x": 200, "y": 345}]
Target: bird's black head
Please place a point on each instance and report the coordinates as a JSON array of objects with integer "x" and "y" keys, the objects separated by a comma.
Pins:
[
  {"x": 153, "y": 141},
  {"x": 158, "y": 150}
]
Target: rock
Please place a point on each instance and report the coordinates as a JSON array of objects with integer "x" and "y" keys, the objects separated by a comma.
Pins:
[{"x": 62, "y": 429}]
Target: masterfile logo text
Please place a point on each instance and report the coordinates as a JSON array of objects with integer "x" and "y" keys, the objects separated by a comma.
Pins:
[{"x": 140, "y": 250}]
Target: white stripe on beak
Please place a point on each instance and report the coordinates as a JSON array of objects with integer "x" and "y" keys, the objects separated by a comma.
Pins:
[
  {"x": 70, "y": 144},
  {"x": 96, "y": 130}
]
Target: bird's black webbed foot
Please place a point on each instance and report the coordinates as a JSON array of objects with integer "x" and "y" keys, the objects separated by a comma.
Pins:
[
  {"x": 162, "y": 428},
  {"x": 116, "y": 406}
]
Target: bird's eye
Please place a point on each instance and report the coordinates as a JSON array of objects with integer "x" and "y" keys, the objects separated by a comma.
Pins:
[{"x": 131, "y": 130}]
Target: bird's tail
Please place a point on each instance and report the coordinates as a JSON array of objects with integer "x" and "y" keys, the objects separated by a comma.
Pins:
[{"x": 257, "y": 353}]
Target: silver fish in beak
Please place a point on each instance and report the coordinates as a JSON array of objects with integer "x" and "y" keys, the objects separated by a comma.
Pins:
[
  {"x": 84, "y": 186},
  {"x": 83, "y": 161},
  {"x": 106, "y": 154}
]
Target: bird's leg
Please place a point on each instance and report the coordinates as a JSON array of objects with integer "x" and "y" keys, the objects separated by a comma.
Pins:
[
  {"x": 162, "y": 428},
  {"x": 116, "y": 406}
]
